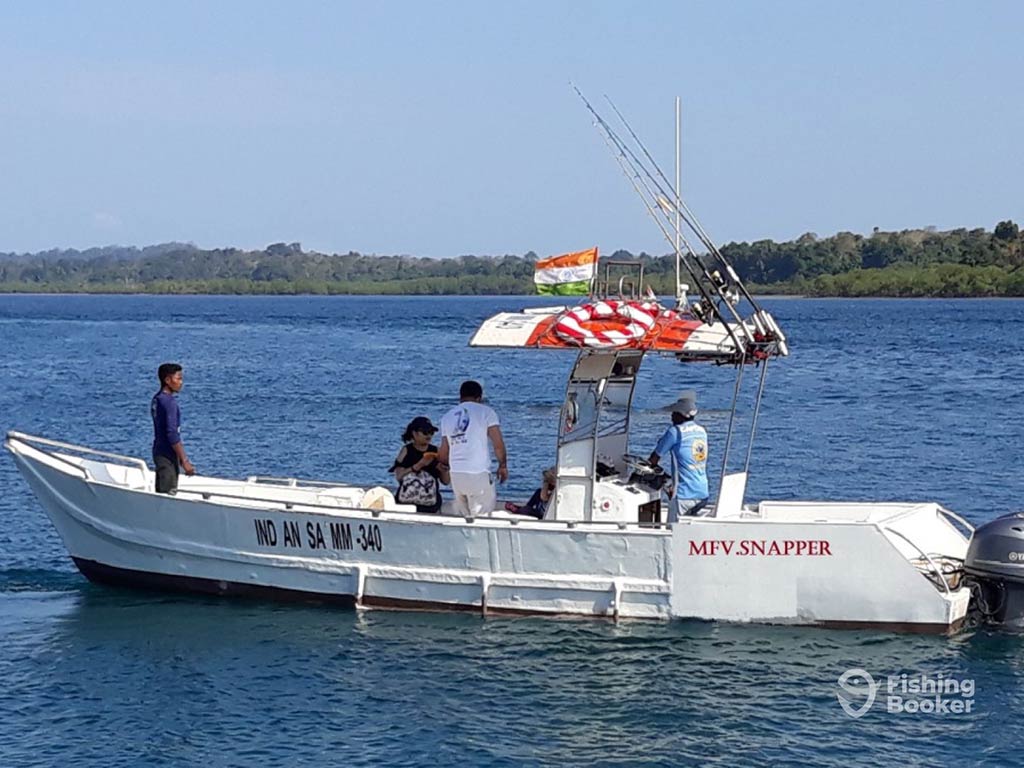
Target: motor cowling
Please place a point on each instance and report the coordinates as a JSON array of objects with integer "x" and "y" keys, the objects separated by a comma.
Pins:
[{"x": 995, "y": 565}]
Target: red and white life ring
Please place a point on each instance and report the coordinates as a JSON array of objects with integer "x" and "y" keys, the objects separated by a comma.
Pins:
[{"x": 607, "y": 323}]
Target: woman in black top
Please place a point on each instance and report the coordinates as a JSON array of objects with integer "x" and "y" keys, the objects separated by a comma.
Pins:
[{"x": 416, "y": 469}]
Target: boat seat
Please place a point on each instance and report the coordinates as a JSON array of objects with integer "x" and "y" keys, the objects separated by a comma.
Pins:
[
  {"x": 116, "y": 474},
  {"x": 730, "y": 495},
  {"x": 343, "y": 496},
  {"x": 378, "y": 497}
]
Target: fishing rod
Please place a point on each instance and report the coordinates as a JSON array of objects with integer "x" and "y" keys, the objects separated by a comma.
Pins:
[
  {"x": 763, "y": 335},
  {"x": 657, "y": 205},
  {"x": 691, "y": 221},
  {"x": 621, "y": 154},
  {"x": 764, "y": 324},
  {"x": 636, "y": 165},
  {"x": 637, "y": 181},
  {"x": 631, "y": 173},
  {"x": 683, "y": 210}
]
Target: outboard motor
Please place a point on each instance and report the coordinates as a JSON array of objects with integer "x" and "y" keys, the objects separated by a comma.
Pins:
[{"x": 995, "y": 570}]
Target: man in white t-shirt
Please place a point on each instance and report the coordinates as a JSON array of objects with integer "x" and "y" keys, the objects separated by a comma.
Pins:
[{"x": 465, "y": 431}]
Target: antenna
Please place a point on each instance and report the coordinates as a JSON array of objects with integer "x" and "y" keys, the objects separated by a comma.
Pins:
[{"x": 680, "y": 293}]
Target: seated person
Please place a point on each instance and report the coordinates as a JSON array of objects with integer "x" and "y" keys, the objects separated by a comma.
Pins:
[
  {"x": 538, "y": 503},
  {"x": 416, "y": 468}
]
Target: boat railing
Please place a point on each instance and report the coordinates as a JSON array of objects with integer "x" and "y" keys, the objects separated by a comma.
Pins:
[
  {"x": 302, "y": 505},
  {"x": 927, "y": 557},
  {"x": 295, "y": 482},
  {"x": 902, "y": 510},
  {"x": 955, "y": 518},
  {"x": 630, "y": 283},
  {"x": 290, "y": 482},
  {"x": 36, "y": 441}
]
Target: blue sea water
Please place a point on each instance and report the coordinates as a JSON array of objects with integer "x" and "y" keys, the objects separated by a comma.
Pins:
[{"x": 881, "y": 400}]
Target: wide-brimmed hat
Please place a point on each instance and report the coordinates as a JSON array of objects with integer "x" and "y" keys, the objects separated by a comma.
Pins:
[
  {"x": 686, "y": 404},
  {"x": 422, "y": 424}
]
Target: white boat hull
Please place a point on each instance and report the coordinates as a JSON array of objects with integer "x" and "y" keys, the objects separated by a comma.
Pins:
[{"x": 813, "y": 564}]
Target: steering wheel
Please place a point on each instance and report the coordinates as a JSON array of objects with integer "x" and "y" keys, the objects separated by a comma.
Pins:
[{"x": 639, "y": 464}]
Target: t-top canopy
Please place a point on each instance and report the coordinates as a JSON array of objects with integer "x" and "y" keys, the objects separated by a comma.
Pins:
[{"x": 647, "y": 326}]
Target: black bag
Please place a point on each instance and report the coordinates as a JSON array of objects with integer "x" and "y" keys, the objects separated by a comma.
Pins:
[{"x": 419, "y": 488}]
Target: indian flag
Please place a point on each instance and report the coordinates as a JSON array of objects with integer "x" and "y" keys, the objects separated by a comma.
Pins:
[{"x": 568, "y": 275}]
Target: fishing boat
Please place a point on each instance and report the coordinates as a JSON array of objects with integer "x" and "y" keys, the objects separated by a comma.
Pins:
[{"x": 605, "y": 546}]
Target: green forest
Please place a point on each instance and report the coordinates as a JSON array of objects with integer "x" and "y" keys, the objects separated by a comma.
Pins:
[{"x": 911, "y": 263}]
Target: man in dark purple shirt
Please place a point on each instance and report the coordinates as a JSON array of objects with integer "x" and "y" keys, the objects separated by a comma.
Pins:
[{"x": 168, "y": 450}]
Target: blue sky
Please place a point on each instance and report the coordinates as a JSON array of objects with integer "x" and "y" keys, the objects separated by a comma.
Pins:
[{"x": 447, "y": 128}]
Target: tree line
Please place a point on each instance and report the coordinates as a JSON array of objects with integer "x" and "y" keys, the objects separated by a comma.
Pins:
[{"x": 917, "y": 262}]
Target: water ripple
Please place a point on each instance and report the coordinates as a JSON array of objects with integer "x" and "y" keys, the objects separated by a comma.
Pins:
[{"x": 881, "y": 400}]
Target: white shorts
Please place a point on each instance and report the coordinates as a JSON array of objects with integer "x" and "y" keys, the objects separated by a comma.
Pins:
[{"x": 475, "y": 494}]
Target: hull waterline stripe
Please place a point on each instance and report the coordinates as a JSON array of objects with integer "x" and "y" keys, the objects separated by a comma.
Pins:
[
  {"x": 100, "y": 573},
  {"x": 163, "y": 582}
]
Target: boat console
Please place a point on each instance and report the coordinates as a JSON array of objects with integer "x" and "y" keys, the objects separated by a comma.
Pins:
[
  {"x": 598, "y": 480},
  {"x": 617, "y": 500}
]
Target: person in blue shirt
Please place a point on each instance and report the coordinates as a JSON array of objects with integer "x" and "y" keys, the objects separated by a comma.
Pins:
[
  {"x": 687, "y": 443},
  {"x": 168, "y": 450}
]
